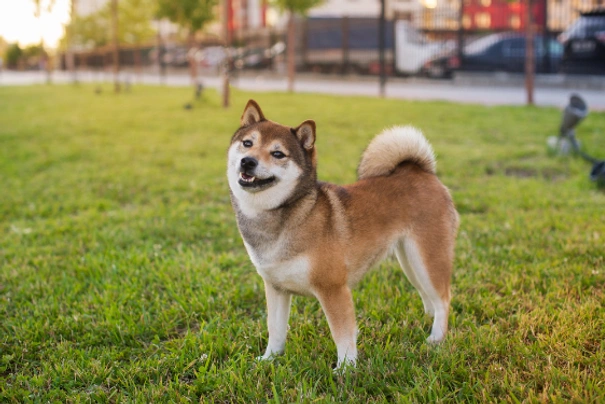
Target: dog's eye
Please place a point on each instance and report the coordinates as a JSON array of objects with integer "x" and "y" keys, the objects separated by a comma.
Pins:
[
  {"x": 247, "y": 143},
  {"x": 278, "y": 154}
]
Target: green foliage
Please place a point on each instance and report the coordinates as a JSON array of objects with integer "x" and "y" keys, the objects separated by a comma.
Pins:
[
  {"x": 134, "y": 26},
  {"x": 190, "y": 14},
  {"x": 135, "y": 20},
  {"x": 123, "y": 277},
  {"x": 91, "y": 31},
  {"x": 13, "y": 55},
  {"x": 297, "y": 6},
  {"x": 33, "y": 51},
  {"x": 3, "y": 46}
]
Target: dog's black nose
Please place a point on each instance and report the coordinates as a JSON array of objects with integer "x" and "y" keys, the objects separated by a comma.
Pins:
[{"x": 248, "y": 163}]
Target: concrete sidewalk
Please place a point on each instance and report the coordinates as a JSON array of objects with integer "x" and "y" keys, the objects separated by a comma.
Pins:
[{"x": 486, "y": 91}]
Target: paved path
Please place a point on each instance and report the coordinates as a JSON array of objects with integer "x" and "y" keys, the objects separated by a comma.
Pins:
[{"x": 409, "y": 89}]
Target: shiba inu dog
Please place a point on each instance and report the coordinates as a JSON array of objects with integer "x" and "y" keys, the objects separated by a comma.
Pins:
[{"x": 312, "y": 238}]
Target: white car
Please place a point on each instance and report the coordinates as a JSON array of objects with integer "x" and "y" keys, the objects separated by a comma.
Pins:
[{"x": 412, "y": 49}]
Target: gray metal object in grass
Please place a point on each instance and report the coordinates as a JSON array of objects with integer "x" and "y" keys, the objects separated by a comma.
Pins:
[
  {"x": 566, "y": 142},
  {"x": 573, "y": 114},
  {"x": 199, "y": 89}
]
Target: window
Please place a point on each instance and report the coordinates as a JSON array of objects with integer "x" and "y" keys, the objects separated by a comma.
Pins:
[
  {"x": 483, "y": 20},
  {"x": 466, "y": 21},
  {"x": 514, "y": 21}
]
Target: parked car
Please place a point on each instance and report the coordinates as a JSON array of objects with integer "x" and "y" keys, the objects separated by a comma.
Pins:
[
  {"x": 413, "y": 49},
  {"x": 584, "y": 44},
  {"x": 497, "y": 52},
  {"x": 258, "y": 58},
  {"x": 172, "y": 55},
  {"x": 211, "y": 56}
]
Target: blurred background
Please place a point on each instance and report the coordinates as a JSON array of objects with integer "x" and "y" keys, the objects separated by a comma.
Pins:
[{"x": 430, "y": 38}]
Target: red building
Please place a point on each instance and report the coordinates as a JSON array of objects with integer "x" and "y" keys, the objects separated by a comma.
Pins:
[
  {"x": 500, "y": 15},
  {"x": 245, "y": 16}
]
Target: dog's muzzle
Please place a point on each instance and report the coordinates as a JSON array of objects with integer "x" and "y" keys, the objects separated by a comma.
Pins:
[{"x": 247, "y": 177}]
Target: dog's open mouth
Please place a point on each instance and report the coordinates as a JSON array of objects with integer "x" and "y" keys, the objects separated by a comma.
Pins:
[{"x": 250, "y": 181}]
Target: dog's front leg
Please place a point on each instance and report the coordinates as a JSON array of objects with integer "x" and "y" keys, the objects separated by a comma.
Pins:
[
  {"x": 278, "y": 311},
  {"x": 337, "y": 303}
]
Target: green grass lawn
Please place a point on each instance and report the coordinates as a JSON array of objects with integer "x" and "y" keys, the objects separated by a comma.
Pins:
[{"x": 123, "y": 276}]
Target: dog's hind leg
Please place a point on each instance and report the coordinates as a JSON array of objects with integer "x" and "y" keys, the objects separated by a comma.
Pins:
[
  {"x": 431, "y": 272},
  {"x": 411, "y": 275}
]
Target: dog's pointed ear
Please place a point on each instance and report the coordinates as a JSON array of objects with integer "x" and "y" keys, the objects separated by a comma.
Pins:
[
  {"x": 305, "y": 133},
  {"x": 252, "y": 114}
]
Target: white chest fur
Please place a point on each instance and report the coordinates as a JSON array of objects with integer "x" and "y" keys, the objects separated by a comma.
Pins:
[{"x": 291, "y": 275}]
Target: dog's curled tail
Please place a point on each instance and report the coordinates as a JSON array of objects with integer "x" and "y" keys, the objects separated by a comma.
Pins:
[{"x": 394, "y": 146}]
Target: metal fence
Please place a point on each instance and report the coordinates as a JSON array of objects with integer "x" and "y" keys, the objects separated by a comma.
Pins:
[
  {"x": 426, "y": 37},
  {"x": 444, "y": 35}
]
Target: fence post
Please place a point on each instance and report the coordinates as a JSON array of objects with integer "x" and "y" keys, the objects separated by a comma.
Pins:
[
  {"x": 303, "y": 45},
  {"x": 116, "y": 46},
  {"x": 529, "y": 54},
  {"x": 345, "y": 44},
  {"x": 227, "y": 61},
  {"x": 546, "y": 40},
  {"x": 381, "y": 46},
  {"x": 461, "y": 32}
]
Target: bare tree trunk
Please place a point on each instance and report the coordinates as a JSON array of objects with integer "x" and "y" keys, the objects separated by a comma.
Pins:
[
  {"x": 45, "y": 56},
  {"x": 116, "y": 46},
  {"x": 46, "y": 64},
  {"x": 291, "y": 52},
  {"x": 161, "y": 65},
  {"x": 69, "y": 54},
  {"x": 137, "y": 62},
  {"x": 191, "y": 59},
  {"x": 529, "y": 54}
]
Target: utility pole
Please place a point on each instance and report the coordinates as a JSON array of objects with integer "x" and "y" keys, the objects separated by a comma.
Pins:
[
  {"x": 381, "y": 48},
  {"x": 116, "y": 45},
  {"x": 529, "y": 54}
]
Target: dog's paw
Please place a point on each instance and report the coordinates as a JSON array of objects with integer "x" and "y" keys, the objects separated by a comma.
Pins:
[
  {"x": 268, "y": 356},
  {"x": 344, "y": 365},
  {"x": 435, "y": 339}
]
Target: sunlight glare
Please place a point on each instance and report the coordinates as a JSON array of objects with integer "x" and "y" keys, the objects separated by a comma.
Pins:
[{"x": 19, "y": 24}]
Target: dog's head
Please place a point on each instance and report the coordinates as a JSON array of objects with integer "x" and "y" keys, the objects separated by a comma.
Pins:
[{"x": 269, "y": 163}]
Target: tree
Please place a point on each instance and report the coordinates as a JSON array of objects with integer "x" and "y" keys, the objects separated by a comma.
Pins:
[
  {"x": 116, "y": 44},
  {"x": 13, "y": 55},
  {"x": 69, "y": 54},
  {"x": 135, "y": 27},
  {"x": 3, "y": 49},
  {"x": 46, "y": 5},
  {"x": 95, "y": 30},
  {"x": 294, "y": 7},
  {"x": 192, "y": 15},
  {"x": 91, "y": 31}
]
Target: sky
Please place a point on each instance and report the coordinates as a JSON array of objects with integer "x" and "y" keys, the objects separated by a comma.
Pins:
[{"x": 18, "y": 23}]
